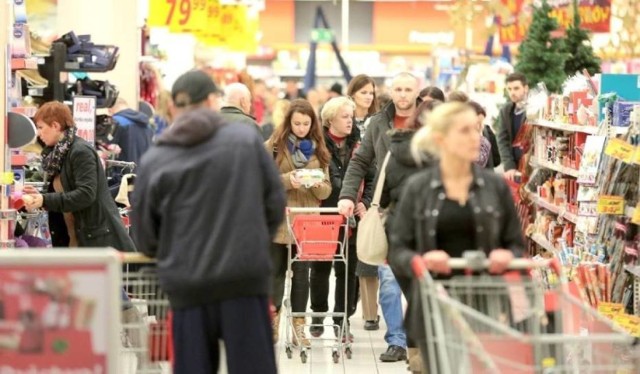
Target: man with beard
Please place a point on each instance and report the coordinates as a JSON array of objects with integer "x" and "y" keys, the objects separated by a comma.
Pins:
[
  {"x": 510, "y": 120},
  {"x": 372, "y": 151}
]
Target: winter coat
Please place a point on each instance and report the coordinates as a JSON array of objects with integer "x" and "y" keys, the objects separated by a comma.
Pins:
[
  {"x": 414, "y": 227},
  {"x": 506, "y": 136},
  {"x": 338, "y": 168},
  {"x": 132, "y": 134},
  {"x": 234, "y": 115},
  {"x": 207, "y": 203},
  {"x": 301, "y": 197},
  {"x": 371, "y": 152},
  {"x": 494, "y": 157},
  {"x": 97, "y": 222}
]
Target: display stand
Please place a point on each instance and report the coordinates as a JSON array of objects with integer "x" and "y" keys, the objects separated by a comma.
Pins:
[{"x": 8, "y": 216}]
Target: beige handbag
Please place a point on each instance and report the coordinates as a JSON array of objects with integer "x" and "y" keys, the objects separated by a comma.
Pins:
[{"x": 371, "y": 242}]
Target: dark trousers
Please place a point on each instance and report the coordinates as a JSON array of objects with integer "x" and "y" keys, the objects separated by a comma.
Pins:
[
  {"x": 244, "y": 324},
  {"x": 300, "y": 282},
  {"x": 320, "y": 272}
]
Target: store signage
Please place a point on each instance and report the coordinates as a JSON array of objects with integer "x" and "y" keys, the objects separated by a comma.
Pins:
[
  {"x": 612, "y": 205},
  {"x": 621, "y": 150},
  {"x": 635, "y": 218},
  {"x": 432, "y": 38},
  {"x": 595, "y": 16},
  {"x": 180, "y": 15},
  {"x": 60, "y": 311},
  {"x": 84, "y": 116}
]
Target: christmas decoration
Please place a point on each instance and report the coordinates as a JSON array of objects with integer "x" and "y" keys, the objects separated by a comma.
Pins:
[
  {"x": 578, "y": 48},
  {"x": 541, "y": 57}
]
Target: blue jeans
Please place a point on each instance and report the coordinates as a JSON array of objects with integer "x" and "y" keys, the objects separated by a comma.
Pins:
[{"x": 391, "y": 304}]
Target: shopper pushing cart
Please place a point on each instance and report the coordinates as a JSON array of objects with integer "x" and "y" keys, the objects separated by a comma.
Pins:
[{"x": 316, "y": 233}]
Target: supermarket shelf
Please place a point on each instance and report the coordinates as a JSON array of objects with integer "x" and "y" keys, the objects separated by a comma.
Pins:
[
  {"x": 543, "y": 242},
  {"x": 27, "y": 110},
  {"x": 559, "y": 168},
  {"x": 560, "y": 211},
  {"x": 566, "y": 127},
  {"x": 26, "y": 63}
]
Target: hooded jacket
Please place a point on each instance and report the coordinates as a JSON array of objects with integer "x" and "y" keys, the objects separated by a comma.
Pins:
[
  {"x": 133, "y": 134},
  {"x": 207, "y": 203}
]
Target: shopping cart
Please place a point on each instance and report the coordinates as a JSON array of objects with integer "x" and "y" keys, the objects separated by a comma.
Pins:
[
  {"x": 511, "y": 324},
  {"x": 315, "y": 232},
  {"x": 146, "y": 319}
]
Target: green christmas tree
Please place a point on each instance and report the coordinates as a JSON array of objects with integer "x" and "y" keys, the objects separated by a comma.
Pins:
[
  {"x": 541, "y": 57},
  {"x": 578, "y": 48}
]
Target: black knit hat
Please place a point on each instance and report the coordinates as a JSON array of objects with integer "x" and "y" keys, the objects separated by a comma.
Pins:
[{"x": 192, "y": 87}]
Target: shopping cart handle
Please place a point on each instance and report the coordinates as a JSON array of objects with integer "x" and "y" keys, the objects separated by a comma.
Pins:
[
  {"x": 515, "y": 264},
  {"x": 313, "y": 210}
]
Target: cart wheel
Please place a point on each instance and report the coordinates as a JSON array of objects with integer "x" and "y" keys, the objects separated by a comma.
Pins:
[
  {"x": 336, "y": 357},
  {"x": 289, "y": 352},
  {"x": 348, "y": 353},
  {"x": 303, "y": 356}
]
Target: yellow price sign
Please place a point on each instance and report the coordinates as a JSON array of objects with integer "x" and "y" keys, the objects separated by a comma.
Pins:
[
  {"x": 636, "y": 156},
  {"x": 178, "y": 15},
  {"x": 613, "y": 205},
  {"x": 621, "y": 150},
  {"x": 636, "y": 215}
]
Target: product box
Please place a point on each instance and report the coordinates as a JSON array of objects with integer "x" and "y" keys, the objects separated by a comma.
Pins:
[
  {"x": 20, "y": 42},
  {"x": 20, "y": 11},
  {"x": 621, "y": 113}
]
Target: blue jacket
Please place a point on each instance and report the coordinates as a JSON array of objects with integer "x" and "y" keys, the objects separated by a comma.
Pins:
[{"x": 132, "y": 134}]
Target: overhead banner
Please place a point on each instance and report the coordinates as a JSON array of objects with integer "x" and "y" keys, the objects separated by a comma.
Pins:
[{"x": 595, "y": 16}]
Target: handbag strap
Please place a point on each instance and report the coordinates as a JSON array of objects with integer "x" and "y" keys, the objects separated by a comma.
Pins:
[{"x": 380, "y": 184}]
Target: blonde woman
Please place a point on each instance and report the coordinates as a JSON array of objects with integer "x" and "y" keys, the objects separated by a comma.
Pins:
[
  {"x": 280, "y": 108},
  {"x": 451, "y": 207},
  {"x": 342, "y": 138}
]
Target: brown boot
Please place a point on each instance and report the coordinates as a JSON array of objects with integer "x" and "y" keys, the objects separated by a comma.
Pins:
[
  {"x": 298, "y": 332},
  {"x": 415, "y": 361},
  {"x": 276, "y": 327}
]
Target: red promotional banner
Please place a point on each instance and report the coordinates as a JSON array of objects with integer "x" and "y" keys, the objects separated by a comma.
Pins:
[{"x": 595, "y": 16}]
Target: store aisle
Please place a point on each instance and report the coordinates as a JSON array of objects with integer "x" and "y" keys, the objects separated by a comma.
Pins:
[{"x": 367, "y": 348}]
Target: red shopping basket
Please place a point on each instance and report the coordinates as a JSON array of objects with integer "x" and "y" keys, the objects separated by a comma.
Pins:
[
  {"x": 317, "y": 235},
  {"x": 515, "y": 190}
]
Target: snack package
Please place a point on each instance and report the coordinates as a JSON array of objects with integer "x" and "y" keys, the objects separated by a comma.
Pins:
[{"x": 309, "y": 177}]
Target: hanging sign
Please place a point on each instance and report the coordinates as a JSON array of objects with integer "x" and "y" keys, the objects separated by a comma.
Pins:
[
  {"x": 179, "y": 15},
  {"x": 635, "y": 218},
  {"x": 595, "y": 16},
  {"x": 612, "y": 205},
  {"x": 84, "y": 116},
  {"x": 621, "y": 150},
  {"x": 235, "y": 29}
]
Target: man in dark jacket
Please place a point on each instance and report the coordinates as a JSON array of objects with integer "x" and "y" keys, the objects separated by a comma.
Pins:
[
  {"x": 207, "y": 203},
  {"x": 372, "y": 152},
  {"x": 510, "y": 120},
  {"x": 132, "y": 133},
  {"x": 237, "y": 105}
]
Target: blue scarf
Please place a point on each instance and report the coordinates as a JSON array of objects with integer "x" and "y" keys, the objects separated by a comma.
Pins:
[{"x": 301, "y": 150}]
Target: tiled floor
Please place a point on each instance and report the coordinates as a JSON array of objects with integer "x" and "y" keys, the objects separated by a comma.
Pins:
[{"x": 367, "y": 347}]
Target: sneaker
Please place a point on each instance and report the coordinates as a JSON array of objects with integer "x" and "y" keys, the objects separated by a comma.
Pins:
[
  {"x": 372, "y": 325},
  {"x": 316, "y": 329},
  {"x": 394, "y": 354}
]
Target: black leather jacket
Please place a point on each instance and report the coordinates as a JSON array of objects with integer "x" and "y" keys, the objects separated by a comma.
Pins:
[{"x": 416, "y": 221}]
